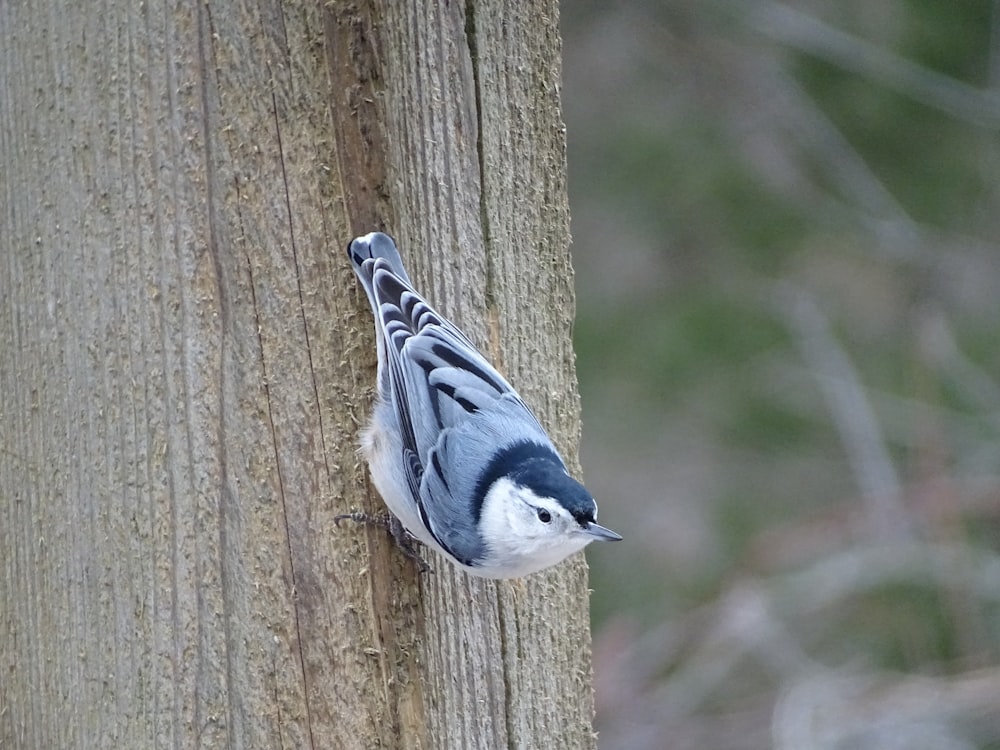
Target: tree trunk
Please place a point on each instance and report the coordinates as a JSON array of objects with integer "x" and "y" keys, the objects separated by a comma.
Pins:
[{"x": 187, "y": 361}]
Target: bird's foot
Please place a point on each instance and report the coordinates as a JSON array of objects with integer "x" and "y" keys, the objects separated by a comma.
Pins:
[{"x": 405, "y": 541}]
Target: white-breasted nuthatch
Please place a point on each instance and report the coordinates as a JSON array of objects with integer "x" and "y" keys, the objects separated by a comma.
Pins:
[{"x": 457, "y": 456}]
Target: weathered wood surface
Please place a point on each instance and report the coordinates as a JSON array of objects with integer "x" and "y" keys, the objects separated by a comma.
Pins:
[{"x": 186, "y": 364}]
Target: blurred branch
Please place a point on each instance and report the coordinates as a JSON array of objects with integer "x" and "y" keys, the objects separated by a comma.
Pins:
[
  {"x": 831, "y": 581},
  {"x": 743, "y": 624},
  {"x": 872, "y": 203},
  {"x": 814, "y": 37},
  {"x": 689, "y": 663},
  {"x": 851, "y": 412},
  {"x": 753, "y": 614},
  {"x": 834, "y": 710},
  {"x": 943, "y": 353}
]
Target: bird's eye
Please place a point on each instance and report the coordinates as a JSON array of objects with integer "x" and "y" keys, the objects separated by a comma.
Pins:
[{"x": 544, "y": 516}]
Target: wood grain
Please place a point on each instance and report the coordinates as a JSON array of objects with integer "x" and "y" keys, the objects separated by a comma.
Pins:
[{"x": 187, "y": 362}]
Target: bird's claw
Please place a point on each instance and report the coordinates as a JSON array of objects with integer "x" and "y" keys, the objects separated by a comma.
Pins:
[{"x": 405, "y": 541}]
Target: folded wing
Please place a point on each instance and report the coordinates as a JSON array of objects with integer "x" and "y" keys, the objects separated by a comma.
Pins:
[{"x": 443, "y": 389}]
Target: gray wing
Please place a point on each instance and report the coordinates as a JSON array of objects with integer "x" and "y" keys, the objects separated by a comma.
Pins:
[{"x": 454, "y": 410}]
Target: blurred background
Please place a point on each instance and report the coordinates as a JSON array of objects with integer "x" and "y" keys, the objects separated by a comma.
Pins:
[{"x": 786, "y": 223}]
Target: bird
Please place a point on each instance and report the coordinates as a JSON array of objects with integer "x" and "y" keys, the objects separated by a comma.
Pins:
[{"x": 462, "y": 463}]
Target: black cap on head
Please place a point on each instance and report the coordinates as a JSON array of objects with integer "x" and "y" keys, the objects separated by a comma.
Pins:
[{"x": 540, "y": 469}]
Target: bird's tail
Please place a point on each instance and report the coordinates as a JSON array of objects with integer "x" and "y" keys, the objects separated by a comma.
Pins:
[
  {"x": 377, "y": 263},
  {"x": 372, "y": 247}
]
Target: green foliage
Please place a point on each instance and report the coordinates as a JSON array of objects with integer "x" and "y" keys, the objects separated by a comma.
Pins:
[
  {"x": 679, "y": 341},
  {"x": 732, "y": 166}
]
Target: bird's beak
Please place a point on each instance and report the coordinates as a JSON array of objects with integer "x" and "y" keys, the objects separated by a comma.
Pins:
[{"x": 600, "y": 533}]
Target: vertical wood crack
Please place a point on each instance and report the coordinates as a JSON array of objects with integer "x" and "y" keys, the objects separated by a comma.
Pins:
[{"x": 484, "y": 217}]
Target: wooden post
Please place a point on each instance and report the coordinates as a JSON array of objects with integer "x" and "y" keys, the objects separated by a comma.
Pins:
[{"x": 187, "y": 361}]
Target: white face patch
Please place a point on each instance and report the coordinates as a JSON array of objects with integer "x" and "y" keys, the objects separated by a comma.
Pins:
[{"x": 517, "y": 535}]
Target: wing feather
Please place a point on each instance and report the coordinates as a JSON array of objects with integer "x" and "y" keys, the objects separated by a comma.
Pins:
[{"x": 451, "y": 405}]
